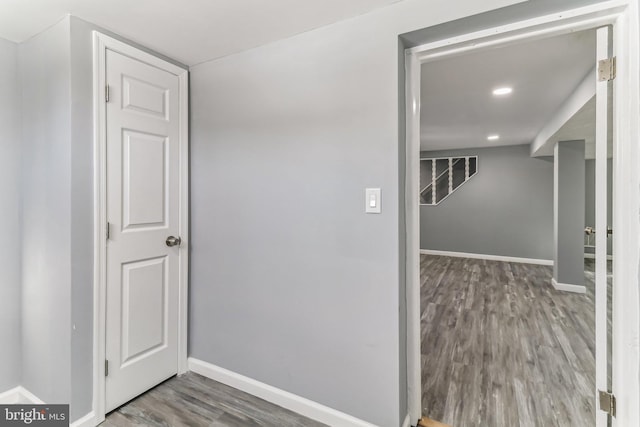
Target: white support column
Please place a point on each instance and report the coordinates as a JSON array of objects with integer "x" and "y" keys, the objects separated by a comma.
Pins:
[
  {"x": 450, "y": 175},
  {"x": 433, "y": 181},
  {"x": 466, "y": 168}
]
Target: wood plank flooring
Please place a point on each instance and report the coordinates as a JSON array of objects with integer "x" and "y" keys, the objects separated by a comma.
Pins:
[
  {"x": 502, "y": 348},
  {"x": 195, "y": 401}
]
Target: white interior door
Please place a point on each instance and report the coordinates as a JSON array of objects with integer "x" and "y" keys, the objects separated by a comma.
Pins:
[
  {"x": 143, "y": 180},
  {"x": 603, "y": 280}
]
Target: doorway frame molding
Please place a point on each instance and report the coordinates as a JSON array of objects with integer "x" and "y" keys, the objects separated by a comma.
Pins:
[
  {"x": 623, "y": 15},
  {"x": 102, "y": 43}
]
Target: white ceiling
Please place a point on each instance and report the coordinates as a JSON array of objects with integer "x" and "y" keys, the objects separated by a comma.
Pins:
[
  {"x": 190, "y": 31},
  {"x": 458, "y": 109}
]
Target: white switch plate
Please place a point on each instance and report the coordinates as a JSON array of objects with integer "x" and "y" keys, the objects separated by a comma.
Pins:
[{"x": 372, "y": 200}]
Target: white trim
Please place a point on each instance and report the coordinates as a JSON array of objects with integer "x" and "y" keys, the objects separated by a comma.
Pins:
[
  {"x": 88, "y": 420},
  {"x": 99, "y": 225},
  {"x": 578, "y": 289},
  {"x": 603, "y": 51},
  {"x": 18, "y": 395},
  {"x": 183, "y": 304},
  {"x": 117, "y": 46},
  {"x": 412, "y": 237},
  {"x": 407, "y": 421},
  {"x": 8, "y": 397},
  {"x": 581, "y": 18},
  {"x": 593, "y": 256},
  {"x": 487, "y": 257},
  {"x": 626, "y": 321},
  {"x": 626, "y": 203},
  {"x": 28, "y": 396},
  {"x": 446, "y": 157},
  {"x": 101, "y": 43},
  {"x": 295, "y": 403}
]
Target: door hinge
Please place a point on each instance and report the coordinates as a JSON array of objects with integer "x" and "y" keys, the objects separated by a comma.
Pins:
[
  {"x": 106, "y": 368},
  {"x": 106, "y": 93},
  {"x": 607, "y": 69},
  {"x": 607, "y": 402},
  {"x": 108, "y": 230}
]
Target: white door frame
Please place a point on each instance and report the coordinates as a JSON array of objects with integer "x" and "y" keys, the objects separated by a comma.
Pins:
[
  {"x": 623, "y": 15},
  {"x": 102, "y": 43}
]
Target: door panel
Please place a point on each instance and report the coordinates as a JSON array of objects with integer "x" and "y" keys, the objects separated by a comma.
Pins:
[
  {"x": 144, "y": 97},
  {"x": 142, "y": 210},
  {"x": 144, "y": 180},
  {"x": 144, "y": 300}
]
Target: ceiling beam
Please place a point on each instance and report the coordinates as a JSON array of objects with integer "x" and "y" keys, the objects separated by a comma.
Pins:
[{"x": 541, "y": 145}]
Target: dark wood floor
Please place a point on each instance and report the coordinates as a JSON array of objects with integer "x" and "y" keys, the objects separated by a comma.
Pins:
[
  {"x": 502, "y": 348},
  {"x": 195, "y": 401}
]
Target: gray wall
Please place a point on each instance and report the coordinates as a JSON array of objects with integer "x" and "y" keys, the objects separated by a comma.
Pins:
[
  {"x": 506, "y": 209},
  {"x": 291, "y": 283},
  {"x": 590, "y": 200},
  {"x": 46, "y": 230},
  {"x": 10, "y": 251},
  {"x": 568, "y": 212},
  {"x": 56, "y": 194},
  {"x": 82, "y": 218}
]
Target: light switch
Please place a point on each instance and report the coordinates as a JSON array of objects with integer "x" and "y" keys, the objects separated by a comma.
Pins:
[{"x": 372, "y": 198}]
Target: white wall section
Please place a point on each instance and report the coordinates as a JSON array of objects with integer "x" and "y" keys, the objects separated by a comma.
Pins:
[
  {"x": 10, "y": 252},
  {"x": 46, "y": 228},
  {"x": 82, "y": 217}
]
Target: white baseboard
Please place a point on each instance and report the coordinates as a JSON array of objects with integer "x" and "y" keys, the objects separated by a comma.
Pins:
[
  {"x": 578, "y": 289},
  {"x": 407, "y": 421},
  {"x": 487, "y": 257},
  {"x": 10, "y": 396},
  {"x": 88, "y": 420},
  {"x": 29, "y": 397},
  {"x": 301, "y": 405},
  {"x": 19, "y": 395},
  {"x": 593, "y": 256}
]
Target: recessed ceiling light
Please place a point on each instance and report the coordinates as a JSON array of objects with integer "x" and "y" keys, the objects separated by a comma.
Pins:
[
  {"x": 502, "y": 91},
  {"x": 493, "y": 137}
]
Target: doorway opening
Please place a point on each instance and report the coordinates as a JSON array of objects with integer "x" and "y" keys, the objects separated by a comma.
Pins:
[
  {"x": 510, "y": 346},
  {"x": 484, "y": 276}
]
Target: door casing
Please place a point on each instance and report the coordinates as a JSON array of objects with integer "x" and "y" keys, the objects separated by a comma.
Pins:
[
  {"x": 102, "y": 43},
  {"x": 623, "y": 16}
]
